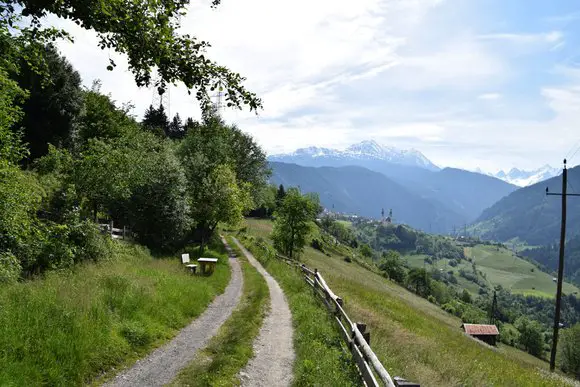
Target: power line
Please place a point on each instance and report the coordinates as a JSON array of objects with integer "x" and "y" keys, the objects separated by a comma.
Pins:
[{"x": 564, "y": 196}]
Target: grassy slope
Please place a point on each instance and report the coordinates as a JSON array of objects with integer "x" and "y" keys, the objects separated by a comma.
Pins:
[
  {"x": 503, "y": 268},
  {"x": 220, "y": 362},
  {"x": 70, "y": 327},
  {"x": 320, "y": 357},
  {"x": 416, "y": 339}
]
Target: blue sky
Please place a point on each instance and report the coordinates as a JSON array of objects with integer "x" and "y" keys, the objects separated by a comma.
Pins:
[{"x": 470, "y": 83}]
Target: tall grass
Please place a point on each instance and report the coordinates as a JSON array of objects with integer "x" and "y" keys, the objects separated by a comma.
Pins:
[
  {"x": 231, "y": 349},
  {"x": 320, "y": 356},
  {"x": 70, "y": 327}
]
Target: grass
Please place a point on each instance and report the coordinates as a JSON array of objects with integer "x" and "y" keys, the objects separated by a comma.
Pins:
[
  {"x": 71, "y": 327},
  {"x": 320, "y": 356},
  {"x": 220, "y": 362},
  {"x": 416, "y": 339},
  {"x": 501, "y": 267}
]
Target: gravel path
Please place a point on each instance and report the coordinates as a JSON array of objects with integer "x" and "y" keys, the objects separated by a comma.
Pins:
[
  {"x": 163, "y": 364},
  {"x": 273, "y": 349}
]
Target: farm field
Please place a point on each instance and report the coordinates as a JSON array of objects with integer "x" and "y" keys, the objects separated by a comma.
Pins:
[{"x": 501, "y": 267}]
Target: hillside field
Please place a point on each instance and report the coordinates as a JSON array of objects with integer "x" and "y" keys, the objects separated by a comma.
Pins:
[
  {"x": 501, "y": 267},
  {"x": 414, "y": 338}
]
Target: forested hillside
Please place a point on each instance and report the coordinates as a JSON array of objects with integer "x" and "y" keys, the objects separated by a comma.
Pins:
[
  {"x": 364, "y": 192},
  {"x": 530, "y": 215}
]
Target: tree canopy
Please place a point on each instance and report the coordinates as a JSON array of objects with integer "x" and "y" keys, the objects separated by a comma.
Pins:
[
  {"x": 293, "y": 222},
  {"x": 146, "y": 32}
]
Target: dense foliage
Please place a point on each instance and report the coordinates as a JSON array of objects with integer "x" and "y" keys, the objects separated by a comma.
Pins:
[
  {"x": 92, "y": 162},
  {"x": 145, "y": 31},
  {"x": 547, "y": 256}
]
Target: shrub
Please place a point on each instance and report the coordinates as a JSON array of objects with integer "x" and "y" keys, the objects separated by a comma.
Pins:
[
  {"x": 9, "y": 267},
  {"x": 317, "y": 245},
  {"x": 431, "y": 299},
  {"x": 570, "y": 351}
]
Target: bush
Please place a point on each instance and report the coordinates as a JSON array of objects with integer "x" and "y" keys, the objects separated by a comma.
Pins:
[
  {"x": 531, "y": 336},
  {"x": 432, "y": 299},
  {"x": 9, "y": 267},
  {"x": 317, "y": 245},
  {"x": 508, "y": 334},
  {"x": 449, "y": 308}
]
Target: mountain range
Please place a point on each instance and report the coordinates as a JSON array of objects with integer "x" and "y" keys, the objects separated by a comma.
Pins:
[
  {"x": 363, "y": 152},
  {"x": 374, "y": 156},
  {"x": 524, "y": 178},
  {"x": 461, "y": 193}
]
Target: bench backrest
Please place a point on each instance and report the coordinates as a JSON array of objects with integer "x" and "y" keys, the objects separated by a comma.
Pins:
[{"x": 184, "y": 258}]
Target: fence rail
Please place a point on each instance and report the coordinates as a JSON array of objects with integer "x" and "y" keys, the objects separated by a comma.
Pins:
[{"x": 356, "y": 335}]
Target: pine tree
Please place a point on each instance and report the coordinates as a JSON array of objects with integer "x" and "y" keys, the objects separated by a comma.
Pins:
[
  {"x": 175, "y": 128},
  {"x": 156, "y": 120},
  {"x": 280, "y": 195}
]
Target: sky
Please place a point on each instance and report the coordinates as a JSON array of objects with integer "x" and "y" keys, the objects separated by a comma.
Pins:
[{"x": 493, "y": 84}]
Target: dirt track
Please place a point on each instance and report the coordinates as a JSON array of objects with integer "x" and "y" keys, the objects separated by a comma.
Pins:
[
  {"x": 163, "y": 364},
  {"x": 274, "y": 353}
]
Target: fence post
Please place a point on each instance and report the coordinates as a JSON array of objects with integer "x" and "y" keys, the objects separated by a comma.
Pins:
[
  {"x": 111, "y": 228},
  {"x": 362, "y": 327},
  {"x": 124, "y": 231}
]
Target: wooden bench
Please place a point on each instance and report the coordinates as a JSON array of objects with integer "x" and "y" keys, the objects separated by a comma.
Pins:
[
  {"x": 190, "y": 266},
  {"x": 207, "y": 263}
]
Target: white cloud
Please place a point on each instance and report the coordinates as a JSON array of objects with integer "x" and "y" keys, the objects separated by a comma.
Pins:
[
  {"x": 548, "y": 37},
  {"x": 334, "y": 72},
  {"x": 489, "y": 96}
]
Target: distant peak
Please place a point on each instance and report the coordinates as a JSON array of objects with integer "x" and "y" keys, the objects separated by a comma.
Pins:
[{"x": 363, "y": 150}]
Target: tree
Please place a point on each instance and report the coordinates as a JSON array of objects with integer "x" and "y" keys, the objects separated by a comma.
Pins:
[
  {"x": 531, "y": 336},
  {"x": 570, "y": 351},
  {"x": 249, "y": 160},
  {"x": 101, "y": 118},
  {"x": 175, "y": 128},
  {"x": 293, "y": 222},
  {"x": 209, "y": 145},
  {"x": 466, "y": 297},
  {"x": 366, "y": 250},
  {"x": 393, "y": 266},
  {"x": 227, "y": 202},
  {"x": 156, "y": 121},
  {"x": 54, "y": 102},
  {"x": 146, "y": 32},
  {"x": 265, "y": 202},
  {"x": 420, "y": 280},
  {"x": 280, "y": 194}
]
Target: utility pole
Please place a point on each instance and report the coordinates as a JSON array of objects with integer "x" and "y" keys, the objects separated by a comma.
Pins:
[
  {"x": 564, "y": 194},
  {"x": 493, "y": 308}
]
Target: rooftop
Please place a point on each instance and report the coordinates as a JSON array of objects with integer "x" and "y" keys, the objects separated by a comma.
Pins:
[{"x": 480, "y": 329}]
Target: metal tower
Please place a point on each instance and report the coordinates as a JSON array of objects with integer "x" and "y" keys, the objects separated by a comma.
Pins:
[
  {"x": 161, "y": 99},
  {"x": 218, "y": 97}
]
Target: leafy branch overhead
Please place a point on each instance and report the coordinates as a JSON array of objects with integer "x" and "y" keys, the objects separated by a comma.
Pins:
[{"x": 146, "y": 31}]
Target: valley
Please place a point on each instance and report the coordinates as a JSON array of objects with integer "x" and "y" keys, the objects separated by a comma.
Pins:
[{"x": 409, "y": 333}]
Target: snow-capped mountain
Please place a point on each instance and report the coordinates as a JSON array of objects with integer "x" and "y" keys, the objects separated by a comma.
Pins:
[
  {"x": 524, "y": 178},
  {"x": 365, "y": 150}
]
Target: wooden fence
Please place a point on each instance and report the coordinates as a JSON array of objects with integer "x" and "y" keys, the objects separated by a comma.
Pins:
[
  {"x": 355, "y": 335},
  {"x": 116, "y": 233}
]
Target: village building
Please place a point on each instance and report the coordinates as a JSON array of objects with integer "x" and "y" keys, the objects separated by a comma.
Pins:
[{"x": 484, "y": 332}]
